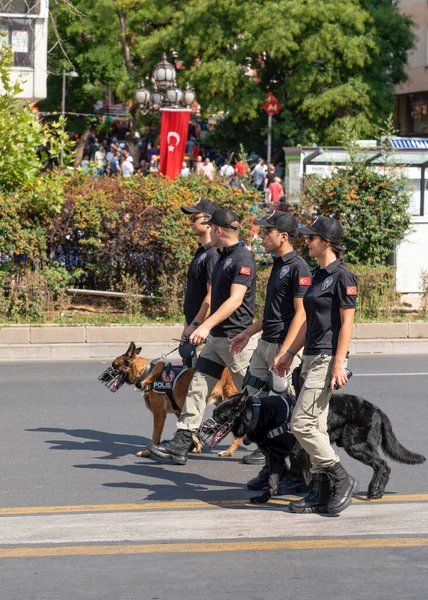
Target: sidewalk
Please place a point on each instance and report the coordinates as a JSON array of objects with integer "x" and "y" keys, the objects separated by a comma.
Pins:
[{"x": 21, "y": 342}]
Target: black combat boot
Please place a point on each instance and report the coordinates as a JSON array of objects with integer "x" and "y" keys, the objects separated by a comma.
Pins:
[
  {"x": 343, "y": 486},
  {"x": 261, "y": 481},
  {"x": 255, "y": 458},
  {"x": 292, "y": 483},
  {"x": 317, "y": 499},
  {"x": 177, "y": 449}
]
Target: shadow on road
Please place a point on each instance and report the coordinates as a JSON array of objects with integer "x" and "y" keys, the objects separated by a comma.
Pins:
[{"x": 112, "y": 444}]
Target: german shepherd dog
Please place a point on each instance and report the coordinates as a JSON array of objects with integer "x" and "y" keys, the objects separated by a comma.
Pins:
[
  {"x": 159, "y": 404},
  {"x": 354, "y": 424}
]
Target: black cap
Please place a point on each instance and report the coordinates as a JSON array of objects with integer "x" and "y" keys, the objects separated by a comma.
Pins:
[
  {"x": 280, "y": 220},
  {"x": 223, "y": 217},
  {"x": 203, "y": 205},
  {"x": 326, "y": 227}
]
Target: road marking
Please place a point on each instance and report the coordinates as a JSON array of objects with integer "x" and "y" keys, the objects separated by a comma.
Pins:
[
  {"x": 222, "y": 524},
  {"x": 186, "y": 505},
  {"x": 198, "y": 548},
  {"x": 387, "y": 374}
]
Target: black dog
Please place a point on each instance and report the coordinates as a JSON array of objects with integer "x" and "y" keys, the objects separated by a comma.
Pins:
[{"x": 354, "y": 424}]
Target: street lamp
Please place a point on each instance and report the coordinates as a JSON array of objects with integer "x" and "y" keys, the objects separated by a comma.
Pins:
[
  {"x": 64, "y": 75},
  {"x": 165, "y": 92}
]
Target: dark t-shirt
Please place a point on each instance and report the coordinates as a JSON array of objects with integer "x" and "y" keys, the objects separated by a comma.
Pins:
[
  {"x": 290, "y": 278},
  {"x": 198, "y": 275},
  {"x": 236, "y": 265},
  {"x": 332, "y": 288}
]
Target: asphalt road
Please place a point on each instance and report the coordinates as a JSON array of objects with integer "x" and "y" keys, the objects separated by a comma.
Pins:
[{"x": 82, "y": 517}]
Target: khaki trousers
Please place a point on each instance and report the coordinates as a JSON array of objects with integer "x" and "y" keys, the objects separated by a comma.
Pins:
[
  {"x": 309, "y": 421},
  {"x": 263, "y": 358},
  {"x": 216, "y": 350}
]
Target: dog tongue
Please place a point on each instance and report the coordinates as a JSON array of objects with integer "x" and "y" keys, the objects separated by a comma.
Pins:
[
  {"x": 221, "y": 433},
  {"x": 119, "y": 382}
]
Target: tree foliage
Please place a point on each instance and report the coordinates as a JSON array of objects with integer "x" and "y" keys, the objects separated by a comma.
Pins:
[
  {"x": 371, "y": 204},
  {"x": 327, "y": 61}
]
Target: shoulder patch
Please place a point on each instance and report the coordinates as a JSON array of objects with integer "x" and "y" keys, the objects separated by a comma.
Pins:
[
  {"x": 327, "y": 283},
  {"x": 245, "y": 271},
  {"x": 304, "y": 281},
  {"x": 351, "y": 290},
  {"x": 202, "y": 258}
]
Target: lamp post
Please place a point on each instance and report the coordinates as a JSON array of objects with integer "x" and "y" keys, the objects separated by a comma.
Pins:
[
  {"x": 64, "y": 75},
  {"x": 165, "y": 93}
]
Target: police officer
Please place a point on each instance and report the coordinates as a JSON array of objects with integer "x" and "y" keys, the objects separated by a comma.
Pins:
[
  {"x": 282, "y": 318},
  {"x": 232, "y": 303},
  {"x": 198, "y": 289},
  {"x": 330, "y": 307}
]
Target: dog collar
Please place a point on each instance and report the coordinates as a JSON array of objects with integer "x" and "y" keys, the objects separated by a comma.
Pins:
[{"x": 254, "y": 404}]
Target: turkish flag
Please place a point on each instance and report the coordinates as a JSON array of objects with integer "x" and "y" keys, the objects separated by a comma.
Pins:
[
  {"x": 304, "y": 281},
  {"x": 173, "y": 139},
  {"x": 351, "y": 290}
]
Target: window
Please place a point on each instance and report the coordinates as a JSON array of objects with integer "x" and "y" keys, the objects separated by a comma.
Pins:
[
  {"x": 20, "y": 7},
  {"x": 19, "y": 35}
]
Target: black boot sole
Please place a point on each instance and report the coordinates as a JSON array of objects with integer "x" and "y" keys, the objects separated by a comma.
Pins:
[
  {"x": 247, "y": 460},
  {"x": 178, "y": 460}
]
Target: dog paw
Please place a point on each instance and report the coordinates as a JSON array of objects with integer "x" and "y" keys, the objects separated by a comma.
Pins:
[
  {"x": 144, "y": 453},
  {"x": 225, "y": 453},
  {"x": 197, "y": 450}
]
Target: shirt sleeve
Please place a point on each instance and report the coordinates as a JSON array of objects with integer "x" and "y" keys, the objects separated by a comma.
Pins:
[
  {"x": 302, "y": 280},
  {"x": 347, "y": 290},
  {"x": 211, "y": 260},
  {"x": 244, "y": 273}
]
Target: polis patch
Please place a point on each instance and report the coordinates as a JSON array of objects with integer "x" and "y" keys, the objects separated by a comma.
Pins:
[
  {"x": 202, "y": 258},
  {"x": 327, "y": 283},
  {"x": 227, "y": 263},
  {"x": 284, "y": 271}
]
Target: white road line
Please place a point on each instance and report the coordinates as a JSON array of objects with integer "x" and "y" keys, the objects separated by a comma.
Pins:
[
  {"x": 214, "y": 524},
  {"x": 387, "y": 374}
]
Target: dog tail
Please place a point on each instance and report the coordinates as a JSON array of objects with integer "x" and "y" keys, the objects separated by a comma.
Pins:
[{"x": 392, "y": 447}]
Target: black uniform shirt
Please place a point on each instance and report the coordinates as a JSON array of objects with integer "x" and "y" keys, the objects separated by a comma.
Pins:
[
  {"x": 198, "y": 275},
  {"x": 236, "y": 265},
  {"x": 290, "y": 278},
  {"x": 332, "y": 288}
]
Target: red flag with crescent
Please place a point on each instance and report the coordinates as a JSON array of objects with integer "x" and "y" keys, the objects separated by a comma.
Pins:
[{"x": 173, "y": 139}]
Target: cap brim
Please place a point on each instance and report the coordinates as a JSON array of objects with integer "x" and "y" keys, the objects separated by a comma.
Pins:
[
  {"x": 306, "y": 231},
  {"x": 190, "y": 209},
  {"x": 263, "y": 223}
]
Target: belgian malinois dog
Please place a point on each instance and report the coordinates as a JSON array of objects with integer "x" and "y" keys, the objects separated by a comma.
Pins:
[{"x": 159, "y": 404}]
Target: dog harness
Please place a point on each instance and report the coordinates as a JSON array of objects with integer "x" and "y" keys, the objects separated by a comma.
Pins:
[
  {"x": 166, "y": 382},
  {"x": 283, "y": 427}
]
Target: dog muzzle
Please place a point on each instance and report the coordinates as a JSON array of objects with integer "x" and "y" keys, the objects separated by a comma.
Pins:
[
  {"x": 112, "y": 379},
  {"x": 211, "y": 433}
]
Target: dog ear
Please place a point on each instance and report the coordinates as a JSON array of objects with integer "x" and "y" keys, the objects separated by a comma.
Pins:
[
  {"x": 138, "y": 350},
  {"x": 131, "y": 350}
]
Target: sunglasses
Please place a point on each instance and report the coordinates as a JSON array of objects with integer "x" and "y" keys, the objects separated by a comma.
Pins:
[
  {"x": 267, "y": 230},
  {"x": 193, "y": 219}
]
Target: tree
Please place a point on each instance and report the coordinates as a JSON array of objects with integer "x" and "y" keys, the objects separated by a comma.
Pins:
[{"x": 328, "y": 62}]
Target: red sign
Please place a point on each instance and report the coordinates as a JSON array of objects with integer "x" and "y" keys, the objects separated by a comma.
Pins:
[
  {"x": 173, "y": 138},
  {"x": 271, "y": 106}
]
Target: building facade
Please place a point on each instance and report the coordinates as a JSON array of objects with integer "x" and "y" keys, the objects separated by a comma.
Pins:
[
  {"x": 24, "y": 27},
  {"x": 411, "y": 115}
]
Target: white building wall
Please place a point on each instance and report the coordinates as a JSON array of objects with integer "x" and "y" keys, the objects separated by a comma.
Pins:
[{"x": 412, "y": 257}]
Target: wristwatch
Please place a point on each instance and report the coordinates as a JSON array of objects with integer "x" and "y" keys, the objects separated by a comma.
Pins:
[{"x": 195, "y": 324}]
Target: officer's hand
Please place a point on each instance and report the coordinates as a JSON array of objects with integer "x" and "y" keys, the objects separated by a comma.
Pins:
[
  {"x": 187, "y": 331},
  {"x": 200, "y": 335},
  {"x": 338, "y": 375},
  {"x": 238, "y": 343},
  {"x": 275, "y": 361},
  {"x": 283, "y": 365}
]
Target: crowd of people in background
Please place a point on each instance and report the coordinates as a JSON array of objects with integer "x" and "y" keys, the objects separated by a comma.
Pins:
[{"x": 112, "y": 158}]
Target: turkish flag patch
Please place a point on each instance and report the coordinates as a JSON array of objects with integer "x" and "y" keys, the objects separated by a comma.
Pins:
[
  {"x": 351, "y": 290},
  {"x": 245, "y": 271},
  {"x": 304, "y": 281}
]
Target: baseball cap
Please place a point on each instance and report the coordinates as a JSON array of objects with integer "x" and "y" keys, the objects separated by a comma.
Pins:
[
  {"x": 203, "y": 205},
  {"x": 280, "y": 220},
  {"x": 223, "y": 217},
  {"x": 326, "y": 227}
]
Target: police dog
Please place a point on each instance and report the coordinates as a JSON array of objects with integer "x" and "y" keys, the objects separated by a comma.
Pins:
[
  {"x": 159, "y": 404},
  {"x": 354, "y": 424}
]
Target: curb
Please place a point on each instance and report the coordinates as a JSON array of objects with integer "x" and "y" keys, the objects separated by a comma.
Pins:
[{"x": 51, "y": 342}]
